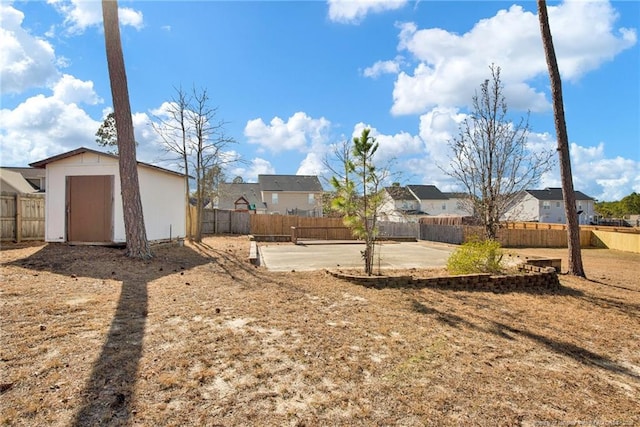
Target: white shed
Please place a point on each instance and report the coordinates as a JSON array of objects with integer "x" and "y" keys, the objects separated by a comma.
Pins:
[{"x": 83, "y": 201}]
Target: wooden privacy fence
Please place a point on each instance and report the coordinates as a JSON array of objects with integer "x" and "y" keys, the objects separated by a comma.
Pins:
[
  {"x": 221, "y": 221},
  {"x": 280, "y": 225},
  {"x": 22, "y": 217},
  {"x": 216, "y": 221},
  {"x": 508, "y": 237}
]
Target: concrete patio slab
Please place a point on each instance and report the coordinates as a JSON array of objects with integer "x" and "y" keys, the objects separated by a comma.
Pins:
[{"x": 388, "y": 255}]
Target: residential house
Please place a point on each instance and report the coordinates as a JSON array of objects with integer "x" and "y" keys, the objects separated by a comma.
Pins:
[
  {"x": 241, "y": 196},
  {"x": 291, "y": 194},
  {"x": 434, "y": 202},
  {"x": 458, "y": 204},
  {"x": 399, "y": 205},
  {"x": 83, "y": 202},
  {"x": 548, "y": 206},
  {"x": 410, "y": 203},
  {"x": 35, "y": 176},
  {"x": 299, "y": 195},
  {"x": 13, "y": 182}
]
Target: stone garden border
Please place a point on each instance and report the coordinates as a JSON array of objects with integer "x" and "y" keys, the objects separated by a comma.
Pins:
[{"x": 531, "y": 279}]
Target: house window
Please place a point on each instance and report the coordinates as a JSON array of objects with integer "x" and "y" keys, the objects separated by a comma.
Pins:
[
  {"x": 312, "y": 199},
  {"x": 274, "y": 198},
  {"x": 444, "y": 206},
  {"x": 546, "y": 205},
  {"x": 557, "y": 204}
]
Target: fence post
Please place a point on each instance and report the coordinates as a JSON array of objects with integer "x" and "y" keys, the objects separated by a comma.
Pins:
[{"x": 18, "y": 218}]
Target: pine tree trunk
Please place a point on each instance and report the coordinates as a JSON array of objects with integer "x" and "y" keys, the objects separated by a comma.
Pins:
[
  {"x": 573, "y": 228},
  {"x": 136, "y": 235}
]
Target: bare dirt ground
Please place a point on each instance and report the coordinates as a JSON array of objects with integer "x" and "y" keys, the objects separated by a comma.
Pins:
[{"x": 200, "y": 337}]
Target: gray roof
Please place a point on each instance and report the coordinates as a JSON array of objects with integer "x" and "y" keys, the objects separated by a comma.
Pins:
[
  {"x": 301, "y": 183},
  {"x": 14, "y": 182},
  {"x": 400, "y": 193},
  {"x": 456, "y": 195},
  {"x": 555, "y": 193},
  {"x": 229, "y": 193},
  {"x": 427, "y": 192}
]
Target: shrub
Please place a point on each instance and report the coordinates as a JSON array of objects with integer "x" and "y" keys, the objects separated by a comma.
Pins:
[{"x": 476, "y": 257}]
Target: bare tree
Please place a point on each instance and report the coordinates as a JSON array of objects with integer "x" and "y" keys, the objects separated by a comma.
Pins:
[
  {"x": 210, "y": 150},
  {"x": 192, "y": 131},
  {"x": 490, "y": 156},
  {"x": 573, "y": 228},
  {"x": 136, "y": 235},
  {"x": 174, "y": 131}
]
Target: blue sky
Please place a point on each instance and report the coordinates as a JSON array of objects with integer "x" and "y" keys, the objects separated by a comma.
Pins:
[{"x": 294, "y": 78}]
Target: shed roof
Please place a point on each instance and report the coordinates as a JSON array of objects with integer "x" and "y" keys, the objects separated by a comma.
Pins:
[
  {"x": 427, "y": 192},
  {"x": 555, "y": 193},
  {"x": 82, "y": 150},
  {"x": 301, "y": 183}
]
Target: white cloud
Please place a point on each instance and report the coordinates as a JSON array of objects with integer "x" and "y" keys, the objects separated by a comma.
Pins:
[
  {"x": 27, "y": 61},
  {"x": 603, "y": 178},
  {"x": 354, "y": 11},
  {"x": 451, "y": 67},
  {"x": 383, "y": 67},
  {"x": 82, "y": 14},
  {"x": 296, "y": 133},
  {"x": 133, "y": 18},
  {"x": 312, "y": 164},
  {"x": 390, "y": 147},
  {"x": 71, "y": 90},
  {"x": 593, "y": 173},
  {"x": 257, "y": 166},
  {"x": 41, "y": 127}
]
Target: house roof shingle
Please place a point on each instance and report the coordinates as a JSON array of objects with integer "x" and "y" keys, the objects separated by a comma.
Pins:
[
  {"x": 301, "y": 183},
  {"x": 400, "y": 193},
  {"x": 229, "y": 193},
  {"x": 427, "y": 192},
  {"x": 554, "y": 193}
]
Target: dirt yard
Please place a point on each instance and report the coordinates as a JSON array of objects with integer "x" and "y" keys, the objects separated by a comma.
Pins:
[{"x": 200, "y": 337}]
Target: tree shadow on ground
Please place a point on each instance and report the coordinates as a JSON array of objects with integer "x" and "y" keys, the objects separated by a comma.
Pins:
[
  {"x": 228, "y": 257},
  {"x": 107, "y": 396},
  {"x": 577, "y": 353},
  {"x": 511, "y": 333}
]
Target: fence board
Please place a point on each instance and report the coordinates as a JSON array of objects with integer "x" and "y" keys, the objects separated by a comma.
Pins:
[
  {"x": 398, "y": 229},
  {"x": 454, "y": 234},
  {"x": 221, "y": 221},
  {"x": 22, "y": 216}
]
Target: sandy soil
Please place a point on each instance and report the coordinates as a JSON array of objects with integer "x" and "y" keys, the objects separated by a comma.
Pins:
[{"x": 199, "y": 336}]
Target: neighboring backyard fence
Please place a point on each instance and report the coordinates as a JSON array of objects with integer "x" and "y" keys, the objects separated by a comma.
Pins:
[
  {"x": 22, "y": 216},
  {"x": 454, "y": 230},
  {"x": 221, "y": 221},
  {"x": 538, "y": 235}
]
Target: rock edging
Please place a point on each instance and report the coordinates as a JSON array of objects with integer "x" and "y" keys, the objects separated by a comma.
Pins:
[{"x": 532, "y": 278}]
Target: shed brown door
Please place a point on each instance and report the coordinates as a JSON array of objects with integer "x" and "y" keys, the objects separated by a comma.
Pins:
[{"x": 90, "y": 208}]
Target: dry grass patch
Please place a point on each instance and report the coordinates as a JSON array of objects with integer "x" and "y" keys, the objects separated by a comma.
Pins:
[{"x": 198, "y": 336}]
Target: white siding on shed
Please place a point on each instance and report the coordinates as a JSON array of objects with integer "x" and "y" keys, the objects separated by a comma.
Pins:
[{"x": 162, "y": 194}]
